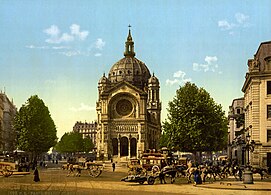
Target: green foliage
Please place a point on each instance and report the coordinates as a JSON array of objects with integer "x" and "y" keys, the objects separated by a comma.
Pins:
[
  {"x": 36, "y": 131},
  {"x": 73, "y": 142},
  {"x": 164, "y": 141},
  {"x": 195, "y": 122},
  {"x": 88, "y": 145}
]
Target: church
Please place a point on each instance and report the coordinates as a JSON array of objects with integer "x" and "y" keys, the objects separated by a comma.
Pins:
[{"x": 128, "y": 109}]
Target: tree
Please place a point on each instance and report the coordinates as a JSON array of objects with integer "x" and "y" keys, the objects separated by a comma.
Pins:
[
  {"x": 73, "y": 142},
  {"x": 88, "y": 145},
  {"x": 195, "y": 122},
  {"x": 36, "y": 130}
]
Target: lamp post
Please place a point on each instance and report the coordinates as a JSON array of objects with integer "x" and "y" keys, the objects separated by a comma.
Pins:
[{"x": 248, "y": 175}]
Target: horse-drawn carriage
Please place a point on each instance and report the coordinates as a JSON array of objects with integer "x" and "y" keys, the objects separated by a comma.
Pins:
[
  {"x": 94, "y": 169},
  {"x": 9, "y": 168},
  {"x": 147, "y": 169},
  {"x": 135, "y": 167}
]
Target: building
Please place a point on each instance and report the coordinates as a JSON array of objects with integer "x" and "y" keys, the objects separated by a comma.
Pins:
[
  {"x": 7, "y": 132},
  {"x": 236, "y": 136},
  {"x": 87, "y": 130},
  {"x": 1, "y": 121},
  {"x": 257, "y": 105},
  {"x": 128, "y": 109}
]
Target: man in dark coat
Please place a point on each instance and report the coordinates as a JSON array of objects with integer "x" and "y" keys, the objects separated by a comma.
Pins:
[
  {"x": 36, "y": 175},
  {"x": 113, "y": 166}
]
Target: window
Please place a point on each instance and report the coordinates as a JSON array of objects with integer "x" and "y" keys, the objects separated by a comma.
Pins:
[
  {"x": 268, "y": 83},
  {"x": 238, "y": 111},
  {"x": 269, "y": 111},
  {"x": 268, "y": 135}
]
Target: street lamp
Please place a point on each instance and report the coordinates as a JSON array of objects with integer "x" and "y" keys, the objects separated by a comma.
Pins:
[{"x": 248, "y": 175}]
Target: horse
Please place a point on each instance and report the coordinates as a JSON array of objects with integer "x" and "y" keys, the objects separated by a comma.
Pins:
[
  {"x": 168, "y": 171},
  {"x": 190, "y": 171},
  {"x": 263, "y": 172},
  {"x": 209, "y": 171},
  {"x": 73, "y": 168},
  {"x": 181, "y": 170}
]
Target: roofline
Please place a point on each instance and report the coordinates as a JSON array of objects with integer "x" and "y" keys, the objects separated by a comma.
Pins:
[{"x": 262, "y": 43}]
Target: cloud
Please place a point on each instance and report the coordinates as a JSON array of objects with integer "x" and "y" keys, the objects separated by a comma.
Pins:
[
  {"x": 241, "y": 18},
  {"x": 66, "y": 42},
  {"x": 55, "y": 36},
  {"x": 61, "y": 47},
  {"x": 210, "y": 59},
  {"x": 225, "y": 25},
  {"x": 211, "y": 64},
  {"x": 36, "y": 47},
  {"x": 75, "y": 30},
  {"x": 82, "y": 107},
  {"x": 240, "y": 21},
  {"x": 99, "y": 44},
  {"x": 172, "y": 82},
  {"x": 52, "y": 31},
  {"x": 70, "y": 53},
  {"x": 179, "y": 78}
]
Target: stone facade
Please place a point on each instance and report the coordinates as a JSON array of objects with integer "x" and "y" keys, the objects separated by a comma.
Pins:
[
  {"x": 128, "y": 109},
  {"x": 87, "y": 130},
  {"x": 236, "y": 136},
  {"x": 7, "y": 132},
  {"x": 257, "y": 105}
]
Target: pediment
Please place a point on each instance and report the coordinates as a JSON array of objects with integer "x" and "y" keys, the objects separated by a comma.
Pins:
[{"x": 125, "y": 87}]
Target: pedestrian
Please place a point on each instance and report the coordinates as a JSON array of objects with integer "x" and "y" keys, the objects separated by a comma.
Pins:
[
  {"x": 197, "y": 177},
  {"x": 36, "y": 175},
  {"x": 113, "y": 166},
  {"x": 240, "y": 173}
]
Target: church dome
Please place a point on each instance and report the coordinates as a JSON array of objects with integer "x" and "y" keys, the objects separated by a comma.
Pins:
[{"x": 129, "y": 68}]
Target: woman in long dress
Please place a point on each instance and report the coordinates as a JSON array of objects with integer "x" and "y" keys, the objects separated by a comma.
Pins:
[{"x": 36, "y": 175}]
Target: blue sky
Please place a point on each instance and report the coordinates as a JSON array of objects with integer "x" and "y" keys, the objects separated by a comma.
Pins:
[{"x": 59, "y": 49}]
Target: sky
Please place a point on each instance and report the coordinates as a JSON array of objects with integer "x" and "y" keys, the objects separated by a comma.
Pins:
[{"x": 59, "y": 49}]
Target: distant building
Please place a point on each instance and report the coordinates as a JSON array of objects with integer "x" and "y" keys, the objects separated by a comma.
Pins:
[
  {"x": 87, "y": 130},
  {"x": 236, "y": 131},
  {"x": 7, "y": 132},
  {"x": 257, "y": 105}
]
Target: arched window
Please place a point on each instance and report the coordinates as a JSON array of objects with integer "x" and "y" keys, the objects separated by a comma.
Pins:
[
  {"x": 124, "y": 146},
  {"x": 133, "y": 147}
]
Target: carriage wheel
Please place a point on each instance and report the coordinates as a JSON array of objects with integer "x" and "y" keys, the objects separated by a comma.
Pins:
[
  {"x": 94, "y": 171},
  {"x": 151, "y": 180},
  {"x": 7, "y": 173}
]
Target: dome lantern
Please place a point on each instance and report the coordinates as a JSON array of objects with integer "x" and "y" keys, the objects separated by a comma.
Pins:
[{"x": 129, "y": 45}]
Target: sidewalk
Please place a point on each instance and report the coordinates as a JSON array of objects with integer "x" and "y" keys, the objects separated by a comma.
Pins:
[{"x": 237, "y": 185}]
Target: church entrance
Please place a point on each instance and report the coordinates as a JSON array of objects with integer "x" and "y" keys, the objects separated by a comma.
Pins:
[
  {"x": 124, "y": 146},
  {"x": 115, "y": 146},
  {"x": 133, "y": 147}
]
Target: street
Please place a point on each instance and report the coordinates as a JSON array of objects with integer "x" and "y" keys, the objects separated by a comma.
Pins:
[{"x": 55, "y": 181}]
